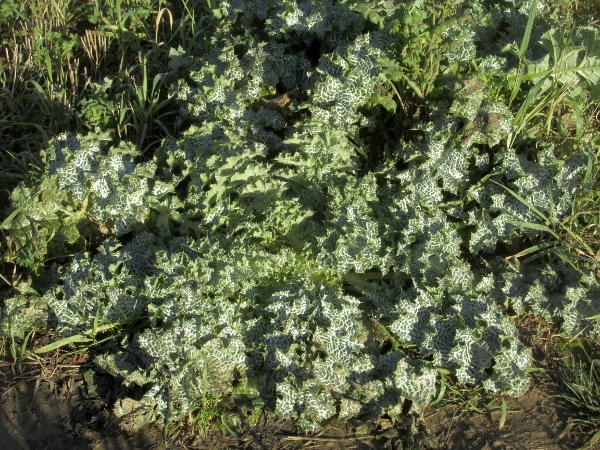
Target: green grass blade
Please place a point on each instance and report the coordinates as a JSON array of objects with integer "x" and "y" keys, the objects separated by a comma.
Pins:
[
  {"x": 6, "y": 222},
  {"x": 544, "y": 252},
  {"x": 227, "y": 427},
  {"x": 595, "y": 439},
  {"x": 587, "y": 179},
  {"x": 442, "y": 390},
  {"x": 13, "y": 348},
  {"x": 516, "y": 85},
  {"x": 144, "y": 66},
  {"x": 204, "y": 381},
  {"x": 533, "y": 226},
  {"x": 504, "y": 411},
  {"x": 580, "y": 257},
  {"x": 25, "y": 342},
  {"x": 39, "y": 88},
  {"x": 579, "y": 125},
  {"x": 516, "y": 81},
  {"x": 551, "y": 202},
  {"x": 48, "y": 63},
  {"x": 525, "y": 202},
  {"x": 527, "y": 34},
  {"x": 96, "y": 317},
  {"x": 536, "y": 248},
  {"x": 567, "y": 260},
  {"x": 577, "y": 238},
  {"x": 162, "y": 126},
  {"x": 75, "y": 339},
  {"x": 532, "y": 97},
  {"x": 412, "y": 85}
]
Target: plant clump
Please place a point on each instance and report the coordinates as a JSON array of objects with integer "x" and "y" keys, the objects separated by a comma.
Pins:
[{"x": 283, "y": 249}]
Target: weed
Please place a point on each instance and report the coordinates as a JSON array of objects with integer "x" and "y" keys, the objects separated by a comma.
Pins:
[
  {"x": 272, "y": 196},
  {"x": 572, "y": 13},
  {"x": 207, "y": 413},
  {"x": 580, "y": 382},
  {"x": 147, "y": 110},
  {"x": 464, "y": 399},
  {"x": 566, "y": 244}
]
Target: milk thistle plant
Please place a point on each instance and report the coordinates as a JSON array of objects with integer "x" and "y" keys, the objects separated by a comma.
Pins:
[{"x": 291, "y": 247}]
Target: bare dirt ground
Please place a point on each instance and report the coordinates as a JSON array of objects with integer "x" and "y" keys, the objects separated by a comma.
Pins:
[
  {"x": 50, "y": 405},
  {"x": 60, "y": 415},
  {"x": 536, "y": 421}
]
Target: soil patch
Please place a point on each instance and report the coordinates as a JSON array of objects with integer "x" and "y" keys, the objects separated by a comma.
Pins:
[
  {"x": 54, "y": 405},
  {"x": 62, "y": 413},
  {"x": 536, "y": 421},
  {"x": 41, "y": 418},
  {"x": 35, "y": 417}
]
